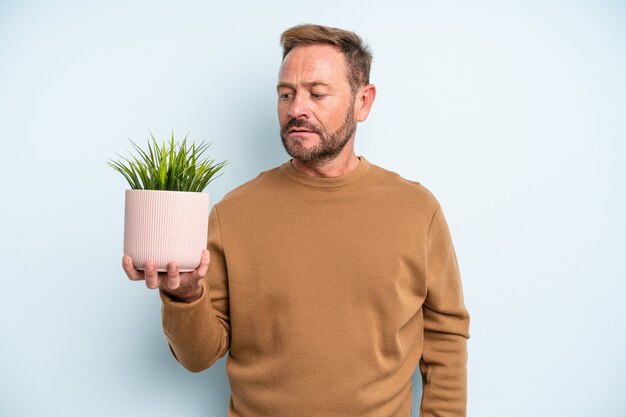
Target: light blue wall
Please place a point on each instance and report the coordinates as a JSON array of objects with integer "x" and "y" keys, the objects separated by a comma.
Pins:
[{"x": 512, "y": 113}]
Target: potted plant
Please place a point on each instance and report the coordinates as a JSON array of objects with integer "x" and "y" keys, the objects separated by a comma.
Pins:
[{"x": 166, "y": 211}]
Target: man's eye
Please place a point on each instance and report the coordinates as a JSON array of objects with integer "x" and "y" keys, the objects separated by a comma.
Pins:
[
  {"x": 317, "y": 95},
  {"x": 285, "y": 96}
]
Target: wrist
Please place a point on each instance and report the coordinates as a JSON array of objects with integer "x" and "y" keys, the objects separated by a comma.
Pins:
[{"x": 187, "y": 295}]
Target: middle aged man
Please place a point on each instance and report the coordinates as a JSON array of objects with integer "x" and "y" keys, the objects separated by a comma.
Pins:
[{"x": 331, "y": 279}]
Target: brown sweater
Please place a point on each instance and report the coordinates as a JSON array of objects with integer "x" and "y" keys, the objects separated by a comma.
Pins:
[{"x": 327, "y": 293}]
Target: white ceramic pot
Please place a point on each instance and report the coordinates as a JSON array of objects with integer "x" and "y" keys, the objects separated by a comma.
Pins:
[{"x": 166, "y": 226}]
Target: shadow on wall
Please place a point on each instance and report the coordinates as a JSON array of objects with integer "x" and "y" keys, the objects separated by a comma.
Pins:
[
  {"x": 263, "y": 148},
  {"x": 256, "y": 137},
  {"x": 417, "y": 392},
  {"x": 197, "y": 392}
]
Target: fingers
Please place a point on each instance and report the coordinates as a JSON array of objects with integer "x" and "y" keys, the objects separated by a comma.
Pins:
[
  {"x": 129, "y": 268},
  {"x": 151, "y": 274},
  {"x": 205, "y": 260},
  {"x": 172, "y": 279},
  {"x": 173, "y": 276},
  {"x": 154, "y": 279}
]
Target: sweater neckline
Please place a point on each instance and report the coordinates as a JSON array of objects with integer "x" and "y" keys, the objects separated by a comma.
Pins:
[{"x": 327, "y": 182}]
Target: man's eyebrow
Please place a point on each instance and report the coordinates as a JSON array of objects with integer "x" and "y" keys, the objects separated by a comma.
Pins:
[
  {"x": 284, "y": 85},
  {"x": 309, "y": 84}
]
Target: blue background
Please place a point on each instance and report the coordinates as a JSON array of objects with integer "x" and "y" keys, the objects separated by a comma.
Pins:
[{"x": 513, "y": 113}]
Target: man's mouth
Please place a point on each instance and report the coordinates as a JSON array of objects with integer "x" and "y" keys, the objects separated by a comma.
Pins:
[{"x": 300, "y": 127}]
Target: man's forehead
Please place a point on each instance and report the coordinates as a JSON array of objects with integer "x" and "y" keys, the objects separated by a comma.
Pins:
[
  {"x": 315, "y": 50},
  {"x": 313, "y": 64}
]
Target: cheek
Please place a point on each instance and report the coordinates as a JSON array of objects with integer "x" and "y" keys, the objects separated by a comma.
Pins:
[{"x": 335, "y": 118}]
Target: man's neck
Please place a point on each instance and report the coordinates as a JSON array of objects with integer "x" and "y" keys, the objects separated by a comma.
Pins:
[{"x": 342, "y": 164}]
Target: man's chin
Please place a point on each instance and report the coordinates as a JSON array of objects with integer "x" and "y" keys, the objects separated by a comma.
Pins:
[
  {"x": 300, "y": 154},
  {"x": 303, "y": 136},
  {"x": 300, "y": 144}
]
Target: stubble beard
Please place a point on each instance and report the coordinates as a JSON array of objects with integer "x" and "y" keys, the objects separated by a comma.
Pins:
[{"x": 330, "y": 145}]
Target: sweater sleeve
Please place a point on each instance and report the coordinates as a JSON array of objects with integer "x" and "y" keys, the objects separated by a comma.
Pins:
[
  {"x": 446, "y": 329},
  {"x": 198, "y": 333}
]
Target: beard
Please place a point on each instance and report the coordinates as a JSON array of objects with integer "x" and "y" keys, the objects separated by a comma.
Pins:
[{"x": 330, "y": 145}]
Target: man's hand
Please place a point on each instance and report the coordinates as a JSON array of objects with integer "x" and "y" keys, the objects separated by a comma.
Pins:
[{"x": 182, "y": 287}]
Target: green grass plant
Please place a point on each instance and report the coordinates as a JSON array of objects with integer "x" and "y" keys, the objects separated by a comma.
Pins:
[{"x": 168, "y": 166}]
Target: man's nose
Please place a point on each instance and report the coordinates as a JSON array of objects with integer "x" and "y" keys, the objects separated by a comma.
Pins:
[{"x": 299, "y": 108}]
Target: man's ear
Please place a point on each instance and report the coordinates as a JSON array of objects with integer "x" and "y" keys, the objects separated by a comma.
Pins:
[{"x": 363, "y": 102}]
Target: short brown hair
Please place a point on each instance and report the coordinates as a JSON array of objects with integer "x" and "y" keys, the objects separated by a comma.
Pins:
[{"x": 357, "y": 54}]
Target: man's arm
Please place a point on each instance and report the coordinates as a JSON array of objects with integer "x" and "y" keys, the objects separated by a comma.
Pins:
[
  {"x": 446, "y": 329},
  {"x": 198, "y": 332}
]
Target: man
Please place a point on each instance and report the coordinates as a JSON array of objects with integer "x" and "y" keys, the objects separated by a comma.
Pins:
[{"x": 330, "y": 279}]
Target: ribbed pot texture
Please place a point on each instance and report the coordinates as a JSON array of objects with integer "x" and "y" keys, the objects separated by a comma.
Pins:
[{"x": 166, "y": 226}]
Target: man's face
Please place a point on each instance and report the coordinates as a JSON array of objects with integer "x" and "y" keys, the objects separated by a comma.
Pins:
[{"x": 315, "y": 104}]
